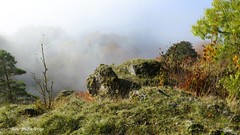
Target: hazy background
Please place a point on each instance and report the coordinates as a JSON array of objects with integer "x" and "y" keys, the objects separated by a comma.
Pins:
[{"x": 81, "y": 34}]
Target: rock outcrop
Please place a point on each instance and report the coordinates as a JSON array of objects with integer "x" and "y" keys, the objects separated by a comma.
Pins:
[
  {"x": 104, "y": 81},
  {"x": 143, "y": 68},
  {"x": 119, "y": 80}
]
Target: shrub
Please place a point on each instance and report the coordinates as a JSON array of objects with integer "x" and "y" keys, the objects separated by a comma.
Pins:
[
  {"x": 231, "y": 84},
  {"x": 8, "y": 120},
  {"x": 8, "y": 117},
  {"x": 220, "y": 24},
  {"x": 86, "y": 96},
  {"x": 175, "y": 61}
]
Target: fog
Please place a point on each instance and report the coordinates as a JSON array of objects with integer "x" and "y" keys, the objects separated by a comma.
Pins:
[
  {"x": 79, "y": 35},
  {"x": 70, "y": 60}
]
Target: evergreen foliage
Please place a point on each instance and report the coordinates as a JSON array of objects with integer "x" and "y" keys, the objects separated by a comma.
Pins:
[
  {"x": 11, "y": 90},
  {"x": 180, "y": 51}
]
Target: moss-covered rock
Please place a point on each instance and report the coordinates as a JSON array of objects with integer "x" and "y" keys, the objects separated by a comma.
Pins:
[
  {"x": 120, "y": 80},
  {"x": 102, "y": 80},
  {"x": 144, "y": 72},
  {"x": 143, "y": 68}
]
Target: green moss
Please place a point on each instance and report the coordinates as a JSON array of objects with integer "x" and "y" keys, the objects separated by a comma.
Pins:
[{"x": 144, "y": 72}]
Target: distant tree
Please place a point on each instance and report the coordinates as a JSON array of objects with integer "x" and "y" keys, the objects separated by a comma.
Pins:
[
  {"x": 11, "y": 90},
  {"x": 44, "y": 84},
  {"x": 180, "y": 51}
]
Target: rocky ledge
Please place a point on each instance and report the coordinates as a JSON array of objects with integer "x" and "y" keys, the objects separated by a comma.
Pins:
[{"x": 115, "y": 81}]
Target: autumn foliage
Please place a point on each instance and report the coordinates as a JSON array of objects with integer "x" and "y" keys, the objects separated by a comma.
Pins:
[
  {"x": 199, "y": 75},
  {"x": 85, "y": 95}
]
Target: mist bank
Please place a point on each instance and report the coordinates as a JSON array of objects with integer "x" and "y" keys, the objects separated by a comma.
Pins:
[{"x": 71, "y": 59}]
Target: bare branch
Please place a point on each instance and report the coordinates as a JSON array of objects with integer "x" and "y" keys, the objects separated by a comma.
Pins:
[{"x": 45, "y": 90}]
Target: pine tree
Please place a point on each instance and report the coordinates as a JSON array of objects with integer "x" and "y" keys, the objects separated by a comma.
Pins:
[{"x": 11, "y": 90}]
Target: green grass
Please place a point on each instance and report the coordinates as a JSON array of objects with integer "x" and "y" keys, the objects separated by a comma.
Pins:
[{"x": 180, "y": 113}]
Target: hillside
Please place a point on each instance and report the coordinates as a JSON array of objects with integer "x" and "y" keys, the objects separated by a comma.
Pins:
[
  {"x": 153, "y": 110},
  {"x": 146, "y": 108},
  {"x": 187, "y": 88}
]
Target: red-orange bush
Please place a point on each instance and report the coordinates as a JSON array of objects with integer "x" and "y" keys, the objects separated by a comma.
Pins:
[{"x": 86, "y": 96}]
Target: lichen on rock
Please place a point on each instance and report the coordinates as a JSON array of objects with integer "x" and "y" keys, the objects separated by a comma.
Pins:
[
  {"x": 144, "y": 68},
  {"x": 119, "y": 80},
  {"x": 103, "y": 79},
  {"x": 144, "y": 72}
]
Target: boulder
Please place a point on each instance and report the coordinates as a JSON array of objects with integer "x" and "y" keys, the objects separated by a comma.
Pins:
[
  {"x": 104, "y": 81},
  {"x": 144, "y": 68},
  {"x": 120, "y": 80},
  {"x": 125, "y": 86},
  {"x": 144, "y": 72}
]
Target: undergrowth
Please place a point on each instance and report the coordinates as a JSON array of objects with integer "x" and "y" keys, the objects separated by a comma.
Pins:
[{"x": 153, "y": 110}]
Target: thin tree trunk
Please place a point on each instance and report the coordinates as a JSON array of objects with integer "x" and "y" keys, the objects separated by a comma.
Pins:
[
  {"x": 45, "y": 90},
  {"x": 9, "y": 95}
]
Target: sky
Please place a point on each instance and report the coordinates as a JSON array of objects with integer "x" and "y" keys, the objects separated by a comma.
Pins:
[
  {"x": 170, "y": 19},
  {"x": 81, "y": 34}
]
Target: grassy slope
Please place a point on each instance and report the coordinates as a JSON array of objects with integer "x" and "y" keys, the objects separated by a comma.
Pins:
[{"x": 180, "y": 113}]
